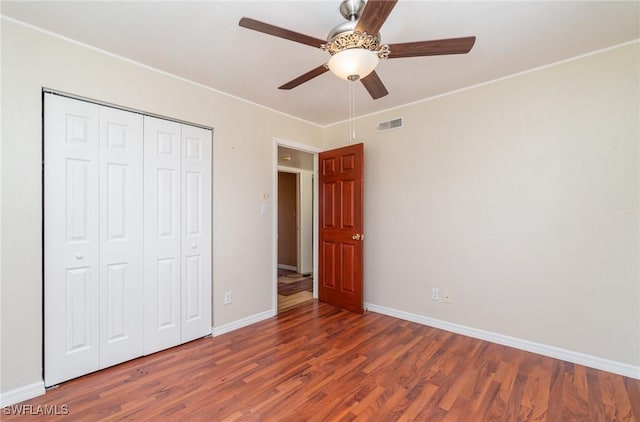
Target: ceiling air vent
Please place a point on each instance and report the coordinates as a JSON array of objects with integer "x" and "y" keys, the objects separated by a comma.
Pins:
[{"x": 390, "y": 124}]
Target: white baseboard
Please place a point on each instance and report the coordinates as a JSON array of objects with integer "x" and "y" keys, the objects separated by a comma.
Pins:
[
  {"x": 251, "y": 319},
  {"x": 22, "y": 393},
  {"x": 529, "y": 346},
  {"x": 288, "y": 267}
]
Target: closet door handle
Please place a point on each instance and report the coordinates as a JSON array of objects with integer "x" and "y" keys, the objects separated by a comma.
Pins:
[
  {"x": 194, "y": 246},
  {"x": 79, "y": 255}
]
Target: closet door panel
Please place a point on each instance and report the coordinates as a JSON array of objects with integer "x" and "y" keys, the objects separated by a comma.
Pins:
[
  {"x": 162, "y": 258},
  {"x": 71, "y": 238},
  {"x": 196, "y": 233},
  {"x": 121, "y": 236}
]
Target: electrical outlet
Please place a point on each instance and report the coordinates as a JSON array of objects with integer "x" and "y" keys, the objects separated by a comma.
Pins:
[
  {"x": 435, "y": 294},
  {"x": 446, "y": 297},
  {"x": 227, "y": 298}
]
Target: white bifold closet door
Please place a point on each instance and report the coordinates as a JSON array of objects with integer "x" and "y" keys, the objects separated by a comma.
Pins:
[
  {"x": 196, "y": 233},
  {"x": 127, "y": 228},
  {"x": 162, "y": 158},
  {"x": 93, "y": 237},
  {"x": 177, "y": 245}
]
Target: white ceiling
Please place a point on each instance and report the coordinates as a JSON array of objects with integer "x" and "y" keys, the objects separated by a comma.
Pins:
[{"x": 202, "y": 42}]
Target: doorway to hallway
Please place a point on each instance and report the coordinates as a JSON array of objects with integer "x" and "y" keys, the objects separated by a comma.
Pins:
[{"x": 295, "y": 222}]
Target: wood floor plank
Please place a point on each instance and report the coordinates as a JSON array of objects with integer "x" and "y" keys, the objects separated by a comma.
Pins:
[
  {"x": 319, "y": 363},
  {"x": 418, "y": 402},
  {"x": 537, "y": 389},
  {"x": 632, "y": 388}
]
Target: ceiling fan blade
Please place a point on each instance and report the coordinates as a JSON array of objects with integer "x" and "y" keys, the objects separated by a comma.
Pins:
[
  {"x": 373, "y": 15},
  {"x": 276, "y": 31},
  {"x": 432, "y": 48},
  {"x": 374, "y": 85},
  {"x": 306, "y": 77}
]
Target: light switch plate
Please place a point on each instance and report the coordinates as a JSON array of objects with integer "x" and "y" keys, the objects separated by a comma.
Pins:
[{"x": 435, "y": 294}]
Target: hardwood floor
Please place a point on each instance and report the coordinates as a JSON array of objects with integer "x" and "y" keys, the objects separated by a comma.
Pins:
[
  {"x": 293, "y": 289},
  {"x": 316, "y": 362}
]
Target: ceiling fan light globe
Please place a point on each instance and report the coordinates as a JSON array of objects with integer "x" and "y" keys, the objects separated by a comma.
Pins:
[{"x": 353, "y": 64}]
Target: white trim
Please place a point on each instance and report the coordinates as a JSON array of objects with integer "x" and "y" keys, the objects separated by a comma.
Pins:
[
  {"x": 502, "y": 78},
  {"x": 287, "y": 267},
  {"x": 241, "y": 323},
  {"x": 296, "y": 145},
  {"x": 615, "y": 367},
  {"x": 162, "y": 72},
  {"x": 22, "y": 393},
  {"x": 316, "y": 221}
]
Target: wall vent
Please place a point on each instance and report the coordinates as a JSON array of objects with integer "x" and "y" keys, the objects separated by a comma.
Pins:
[{"x": 390, "y": 124}]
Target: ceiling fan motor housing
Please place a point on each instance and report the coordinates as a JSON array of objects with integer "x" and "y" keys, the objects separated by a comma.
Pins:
[{"x": 351, "y": 9}]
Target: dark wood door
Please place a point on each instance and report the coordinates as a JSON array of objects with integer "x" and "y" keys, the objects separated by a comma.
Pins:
[
  {"x": 341, "y": 198},
  {"x": 287, "y": 220}
]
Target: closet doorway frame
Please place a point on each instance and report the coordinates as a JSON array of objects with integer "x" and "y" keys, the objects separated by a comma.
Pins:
[
  {"x": 43, "y": 93},
  {"x": 119, "y": 107}
]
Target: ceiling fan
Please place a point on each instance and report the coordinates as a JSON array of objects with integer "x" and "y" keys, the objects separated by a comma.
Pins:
[{"x": 355, "y": 46}]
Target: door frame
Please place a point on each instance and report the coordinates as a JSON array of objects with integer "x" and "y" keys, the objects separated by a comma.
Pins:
[{"x": 274, "y": 269}]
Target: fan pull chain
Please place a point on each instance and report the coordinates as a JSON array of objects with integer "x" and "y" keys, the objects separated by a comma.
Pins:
[{"x": 352, "y": 111}]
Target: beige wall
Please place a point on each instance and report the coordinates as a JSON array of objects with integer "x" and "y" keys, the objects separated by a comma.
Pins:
[
  {"x": 520, "y": 197},
  {"x": 242, "y": 165}
]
